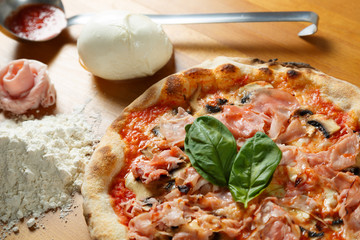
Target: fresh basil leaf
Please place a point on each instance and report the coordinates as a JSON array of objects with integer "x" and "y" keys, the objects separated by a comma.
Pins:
[
  {"x": 211, "y": 148},
  {"x": 253, "y": 168}
]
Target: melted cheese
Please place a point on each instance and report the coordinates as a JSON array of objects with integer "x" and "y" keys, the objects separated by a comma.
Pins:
[
  {"x": 330, "y": 201},
  {"x": 137, "y": 187}
]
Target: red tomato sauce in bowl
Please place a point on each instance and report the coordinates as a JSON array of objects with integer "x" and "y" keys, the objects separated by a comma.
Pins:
[{"x": 36, "y": 21}]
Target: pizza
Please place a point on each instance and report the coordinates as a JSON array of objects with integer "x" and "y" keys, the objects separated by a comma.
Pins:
[{"x": 235, "y": 148}]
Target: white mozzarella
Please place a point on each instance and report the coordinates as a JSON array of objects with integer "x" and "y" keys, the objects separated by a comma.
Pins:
[{"x": 118, "y": 45}]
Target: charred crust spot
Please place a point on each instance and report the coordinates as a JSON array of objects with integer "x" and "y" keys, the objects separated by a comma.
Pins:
[
  {"x": 266, "y": 71},
  {"x": 173, "y": 85},
  {"x": 296, "y": 65},
  {"x": 257, "y": 60},
  {"x": 228, "y": 68},
  {"x": 273, "y": 60},
  {"x": 119, "y": 122},
  {"x": 94, "y": 168},
  {"x": 212, "y": 109},
  {"x": 105, "y": 150},
  {"x": 293, "y": 74},
  {"x": 107, "y": 157},
  {"x": 192, "y": 71},
  {"x": 196, "y": 72}
]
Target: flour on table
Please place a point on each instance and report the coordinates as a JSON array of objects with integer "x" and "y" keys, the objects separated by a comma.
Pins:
[{"x": 41, "y": 165}]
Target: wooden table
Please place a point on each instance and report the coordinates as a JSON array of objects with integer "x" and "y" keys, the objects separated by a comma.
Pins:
[{"x": 334, "y": 49}]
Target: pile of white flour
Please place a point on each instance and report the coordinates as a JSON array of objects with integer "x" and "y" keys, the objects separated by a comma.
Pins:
[{"x": 41, "y": 165}]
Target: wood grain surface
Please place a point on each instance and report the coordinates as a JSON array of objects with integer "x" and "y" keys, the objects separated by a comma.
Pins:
[{"x": 334, "y": 49}]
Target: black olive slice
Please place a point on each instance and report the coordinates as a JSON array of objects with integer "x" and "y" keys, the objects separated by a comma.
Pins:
[
  {"x": 170, "y": 185},
  {"x": 221, "y": 101},
  {"x": 212, "y": 109},
  {"x": 303, "y": 112},
  {"x": 311, "y": 234},
  {"x": 184, "y": 189},
  {"x": 245, "y": 99},
  {"x": 337, "y": 222}
]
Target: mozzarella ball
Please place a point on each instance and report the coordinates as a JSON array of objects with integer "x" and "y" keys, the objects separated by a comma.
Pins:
[{"x": 118, "y": 45}]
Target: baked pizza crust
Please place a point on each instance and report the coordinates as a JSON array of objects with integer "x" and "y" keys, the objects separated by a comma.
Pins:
[
  {"x": 108, "y": 158},
  {"x": 106, "y": 161}
]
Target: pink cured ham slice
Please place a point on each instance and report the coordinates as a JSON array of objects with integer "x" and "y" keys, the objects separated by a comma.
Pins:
[
  {"x": 160, "y": 165},
  {"x": 277, "y": 104},
  {"x": 349, "y": 200},
  {"x": 275, "y": 223},
  {"x": 25, "y": 85},
  {"x": 339, "y": 156},
  {"x": 189, "y": 215},
  {"x": 344, "y": 152},
  {"x": 173, "y": 129},
  {"x": 242, "y": 122},
  {"x": 294, "y": 131}
]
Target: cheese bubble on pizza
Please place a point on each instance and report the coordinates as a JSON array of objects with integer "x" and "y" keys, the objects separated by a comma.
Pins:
[{"x": 235, "y": 148}]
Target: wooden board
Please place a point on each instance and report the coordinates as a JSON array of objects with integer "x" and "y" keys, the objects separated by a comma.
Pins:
[{"x": 335, "y": 49}]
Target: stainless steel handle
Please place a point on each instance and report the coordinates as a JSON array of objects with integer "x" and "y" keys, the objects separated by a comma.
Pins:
[
  {"x": 304, "y": 16},
  {"x": 170, "y": 19},
  {"x": 80, "y": 19}
]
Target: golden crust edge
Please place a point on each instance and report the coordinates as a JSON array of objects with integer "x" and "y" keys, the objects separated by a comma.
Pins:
[
  {"x": 101, "y": 218},
  {"x": 105, "y": 163}
]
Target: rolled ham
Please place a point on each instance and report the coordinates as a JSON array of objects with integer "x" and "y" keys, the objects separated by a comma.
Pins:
[{"x": 25, "y": 85}]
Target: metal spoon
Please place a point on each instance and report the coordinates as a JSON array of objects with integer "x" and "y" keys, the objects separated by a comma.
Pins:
[{"x": 9, "y": 6}]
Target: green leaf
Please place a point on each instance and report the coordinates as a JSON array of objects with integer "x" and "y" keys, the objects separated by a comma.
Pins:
[
  {"x": 253, "y": 168},
  {"x": 211, "y": 148}
]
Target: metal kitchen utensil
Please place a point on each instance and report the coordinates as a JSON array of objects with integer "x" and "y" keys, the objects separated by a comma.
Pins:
[
  {"x": 9, "y": 6},
  {"x": 243, "y": 17}
]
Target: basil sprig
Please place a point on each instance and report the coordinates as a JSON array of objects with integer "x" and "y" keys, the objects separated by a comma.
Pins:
[
  {"x": 212, "y": 151},
  {"x": 211, "y": 148},
  {"x": 253, "y": 167}
]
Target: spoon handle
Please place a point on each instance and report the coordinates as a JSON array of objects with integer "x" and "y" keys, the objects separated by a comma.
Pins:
[
  {"x": 304, "y": 16},
  {"x": 170, "y": 19},
  {"x": 80, "y": 19},
  {"x": 232, "y": 17}
]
